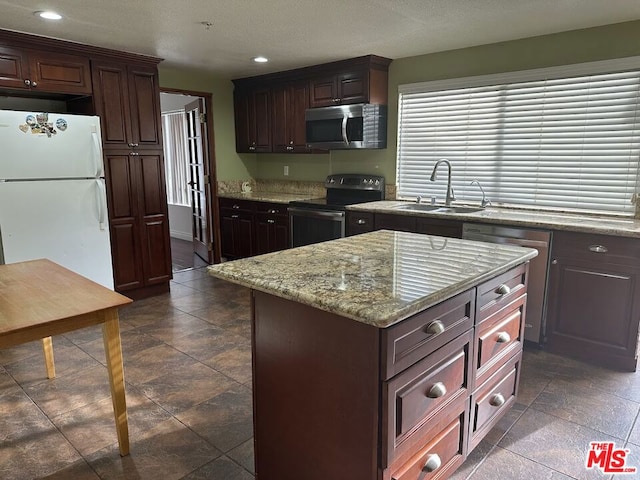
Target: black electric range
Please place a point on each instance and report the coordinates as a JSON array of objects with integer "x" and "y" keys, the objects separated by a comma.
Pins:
[{"x": 321, "y": 219}]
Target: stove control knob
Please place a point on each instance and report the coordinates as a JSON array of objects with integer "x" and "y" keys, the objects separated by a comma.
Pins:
[
  {"x": 377, "y": 182},
  {"x": 332, "y": 180}
]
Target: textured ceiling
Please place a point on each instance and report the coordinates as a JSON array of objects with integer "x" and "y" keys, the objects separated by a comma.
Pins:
[{"x": 295, "y": 33}]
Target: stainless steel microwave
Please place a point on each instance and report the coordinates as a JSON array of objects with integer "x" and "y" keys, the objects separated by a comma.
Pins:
[{"x": 362, "y": 125}]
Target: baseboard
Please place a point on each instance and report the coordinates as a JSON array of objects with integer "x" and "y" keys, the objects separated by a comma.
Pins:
[{"x": 181, "y": 235}]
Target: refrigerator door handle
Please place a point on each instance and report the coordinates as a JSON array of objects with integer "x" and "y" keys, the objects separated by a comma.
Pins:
[
  {"x": 101, "y": 202},
  {"x": 97, "y": 152}
]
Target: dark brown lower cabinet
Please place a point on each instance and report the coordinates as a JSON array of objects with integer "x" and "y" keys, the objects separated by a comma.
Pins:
[
  {"x": 405, "y": 402},
  {"x": 237, "y": 234},
  {"x": 139, "y": 228},
  {"x": 594, "y": 298},
  {"x": 252, "y": 227},
  {"x": 272, "y": 233}
]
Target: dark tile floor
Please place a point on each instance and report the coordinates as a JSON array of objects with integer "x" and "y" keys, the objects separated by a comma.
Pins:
[{"x": 188, "y": 371}]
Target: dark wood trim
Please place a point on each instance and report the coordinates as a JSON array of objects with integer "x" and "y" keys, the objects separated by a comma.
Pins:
[
  {"x": 213, "y": 175},
  {"x": 31, "y": 41},
  {"x": 148, "y": 291},
  {"x": 367, "y": 61}
]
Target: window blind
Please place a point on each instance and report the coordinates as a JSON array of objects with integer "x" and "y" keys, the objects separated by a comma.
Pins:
[
  {"x": 570, "y": 143},
  {"x": 176, "y": 165}
]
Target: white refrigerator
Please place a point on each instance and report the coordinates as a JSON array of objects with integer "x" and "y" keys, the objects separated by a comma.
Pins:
[{"x": 52, "y": 192}]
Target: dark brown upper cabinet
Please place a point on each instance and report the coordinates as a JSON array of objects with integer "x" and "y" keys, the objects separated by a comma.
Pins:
[
  {"x": 44, "y": 71},
  {"x": 253, "y": 120},
  {"x": 127, "y": 100},
  {"x": 289, "y": 102},
  {"x": 270, "y": 109}
]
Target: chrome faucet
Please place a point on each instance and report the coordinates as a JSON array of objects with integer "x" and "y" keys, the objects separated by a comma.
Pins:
[
  {"x": 450, "y": 195},
  {"x": 485, "y": 201}
]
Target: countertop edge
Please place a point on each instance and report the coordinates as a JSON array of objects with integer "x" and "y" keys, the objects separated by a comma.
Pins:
[
  {"x": 583, "y": 224},
  {"x": 378, "y": 322}
]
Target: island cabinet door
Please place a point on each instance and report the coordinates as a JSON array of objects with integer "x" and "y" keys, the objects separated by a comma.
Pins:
[{"x": 316, "y": 393}]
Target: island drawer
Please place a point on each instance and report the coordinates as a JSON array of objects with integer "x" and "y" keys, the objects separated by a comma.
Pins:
[
  {"x": 441, "y": 454},
  {"x": 413, "y": 398},
  {"x": 499, "y": 291},
  {"x": 498, "y": 338},
  {"x": 416, "y": 337},
  {"x": 235, "y": 204},
  {"x": 493, "y": 399}
]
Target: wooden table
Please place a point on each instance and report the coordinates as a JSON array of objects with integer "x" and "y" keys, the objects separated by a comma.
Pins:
[{"x": 39, "y": 299}]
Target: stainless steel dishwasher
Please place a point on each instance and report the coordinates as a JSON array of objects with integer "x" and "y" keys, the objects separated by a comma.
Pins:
[{"x": 538, "y": 268}]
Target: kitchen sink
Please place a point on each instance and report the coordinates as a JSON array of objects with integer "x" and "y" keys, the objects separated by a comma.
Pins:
[{"x": 417, "y": 207}]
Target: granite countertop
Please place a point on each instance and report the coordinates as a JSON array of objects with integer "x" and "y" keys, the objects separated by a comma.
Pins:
[
  {"x": 619, "y": 226},
  {"x": 378, "y": 278},
  {"x": 275, "y": 197}
]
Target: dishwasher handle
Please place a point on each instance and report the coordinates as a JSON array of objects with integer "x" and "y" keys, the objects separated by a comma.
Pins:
[{"x": 521, "y": 242}]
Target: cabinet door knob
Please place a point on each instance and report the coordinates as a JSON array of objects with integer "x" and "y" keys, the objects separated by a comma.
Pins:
[
  {"x": 437, "y": 391},
  {"x": 598, "y": 249},
  {"x": 554, "y": 262},
  {"x": 361, "y": 221},
  {"x": 134, "y": 154},
  {"x": 497, "y": 400},
  {"x": 503, "y": 337},
  {"x": 34, "y": 84},
  {"x": 236, "y": 206},
  {"x": 133, "y": 145},
  {"x": 252, "y": 147},
  {"x": 434, "y": 328},
  {"x": 27, "y": 82},
  {"x": 273, "y": 211},
  {"x": 432, "y": 464},
  {"x": 271, "y": 221},
  {"x": 235, "y": 216},
  {"x": 503, "y": 289}
]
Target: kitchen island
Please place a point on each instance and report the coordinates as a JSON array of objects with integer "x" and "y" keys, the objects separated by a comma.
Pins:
[{"x": 386, "y": 355}]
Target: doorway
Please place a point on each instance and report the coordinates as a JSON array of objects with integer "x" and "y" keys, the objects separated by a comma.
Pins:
[{"x": 190, "y": 178}]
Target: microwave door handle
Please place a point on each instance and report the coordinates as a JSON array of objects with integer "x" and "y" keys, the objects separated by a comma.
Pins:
[{"x": 344, "y": 130}]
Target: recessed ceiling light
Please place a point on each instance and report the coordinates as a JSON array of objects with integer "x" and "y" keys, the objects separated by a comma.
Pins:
[
  {"x": 260, "y": 59},
  {"x": 48, "y": 15}
]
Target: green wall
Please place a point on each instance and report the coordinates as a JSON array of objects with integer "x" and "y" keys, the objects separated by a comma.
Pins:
[
  {"x": 600, "y": 43},
  {"x": 229, "y": 165}
]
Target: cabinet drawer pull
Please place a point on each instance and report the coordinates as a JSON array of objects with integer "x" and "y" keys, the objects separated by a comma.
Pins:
[
  {"x": 271, "y": 221},
  {"x": 503, "y": 289},
  {"x": 34, "y": 84},
  {"x": 134, "y": 154},
  {"x": 361, "y": 221},
  {"x": 503, "y": 337},
  {"x": 27, "y": 82},
  {"x": 432, "y": 464},
  {"x": 235, "y": 216},
  {"x": 437, "y": 391},
  {"x": 434, "y": 328},
  {"x": 497, "y": 400},
  {"x": 598, "y": 249},
  {"x": 272, "y": 211},
  {"x": 236, "y": 207}
]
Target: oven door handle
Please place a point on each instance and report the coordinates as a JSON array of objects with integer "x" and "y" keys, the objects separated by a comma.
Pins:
[{"x": 315, "y": 213}]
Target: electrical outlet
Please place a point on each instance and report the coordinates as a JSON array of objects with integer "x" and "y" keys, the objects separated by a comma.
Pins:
[{"x": 286, "y": 170}]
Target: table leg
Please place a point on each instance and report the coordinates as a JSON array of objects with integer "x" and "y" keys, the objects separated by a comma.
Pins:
[
  {"x": 113, "y": 352},
  {"x": 47, "y": 348}
]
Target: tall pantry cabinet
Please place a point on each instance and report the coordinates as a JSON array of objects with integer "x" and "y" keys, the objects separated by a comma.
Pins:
[
  {"x": 126, "y": 97},
  {"x": 122, "y": 89}
]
